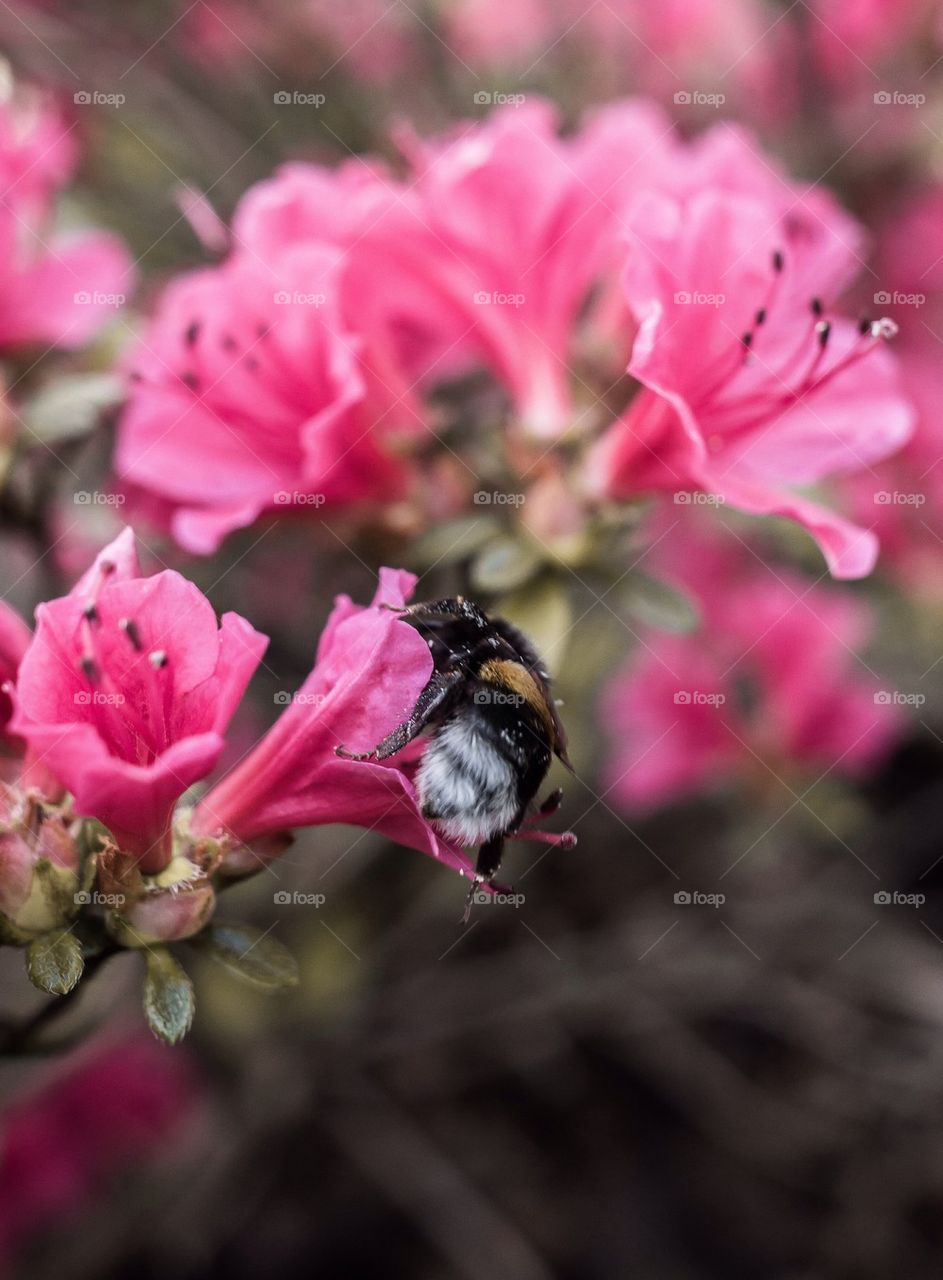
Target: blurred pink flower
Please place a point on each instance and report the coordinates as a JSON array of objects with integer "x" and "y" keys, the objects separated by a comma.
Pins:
[
  {"x": 752, "y": 386},
  {"x": 247, "y": 397},
  {"x": 39, "y": 862},
  {"x": 57, "y": 288},
  {"x": 107, "y": 1110},
  {"x": 903, "y": 497},
  {"x": 125, "y": 693},
  {"x": 369, "y": 671},
  {"x": 526, "y": 223},
  {"x": 15, "y": 636},
  {"x": 772, "y": 678}
]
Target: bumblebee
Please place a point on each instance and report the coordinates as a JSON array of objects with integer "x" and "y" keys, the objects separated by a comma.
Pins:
[{"x": 494, "y": 729}]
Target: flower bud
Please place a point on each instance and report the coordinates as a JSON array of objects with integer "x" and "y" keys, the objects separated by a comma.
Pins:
[
  {"x": 39, "y": 865},
  {"x": 173, "y": 904}
]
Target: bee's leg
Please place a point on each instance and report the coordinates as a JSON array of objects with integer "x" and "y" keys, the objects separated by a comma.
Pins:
[
  {"x": 486, "y": 868},
  {"x": 430, "y": 701},
  {"x": 551, "y": 804},
  {"x": 451, "y": 609}
]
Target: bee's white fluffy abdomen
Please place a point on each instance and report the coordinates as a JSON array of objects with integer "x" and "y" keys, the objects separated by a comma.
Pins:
[{"x": 466, "y": 785}]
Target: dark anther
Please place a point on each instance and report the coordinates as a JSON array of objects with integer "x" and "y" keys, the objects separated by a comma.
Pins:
[
  {"x": 190, "y": 380},
  {"x": 864, "y": 325},
  {"x": 90, "y": 612},
  {"x": 747, "y": 339},
  {"x": 823, "y": 329},
  {"x": 816, "y": 305},
  {"x": 129, "y": 627},
  {"x": 88, "y": 667},
  {"x": 760, "y": 317},
  {"x": 158, "y": 658},
  {"x": 191, "y": 333},
  {"x": 779, "y": 260}
]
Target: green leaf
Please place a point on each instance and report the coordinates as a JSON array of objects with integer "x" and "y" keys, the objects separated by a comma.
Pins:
[
  {"x": 70, "y": 405},
  {"x": 543, "y": 612},
  {"x": 658, "y": 605},
  {"x": 456, "y": 540},
  {"x": 256, "y": 957},
  {"x": 54, "y": 962},
  {"x": 504, "y": 564},
  {"x": 169, "y": 1001}
]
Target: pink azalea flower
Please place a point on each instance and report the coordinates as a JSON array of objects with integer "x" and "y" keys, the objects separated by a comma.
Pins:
[
  {"x": 526, "y": 223},
  {"x": 248, "y": 397},
  {"x": 753, "y": 388},
  {"x": 125, "y": 692},
  {"x": 369, "y": 671},
  {"x": 57, "y": 288},
  {"x": 772, "y": 676}
]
